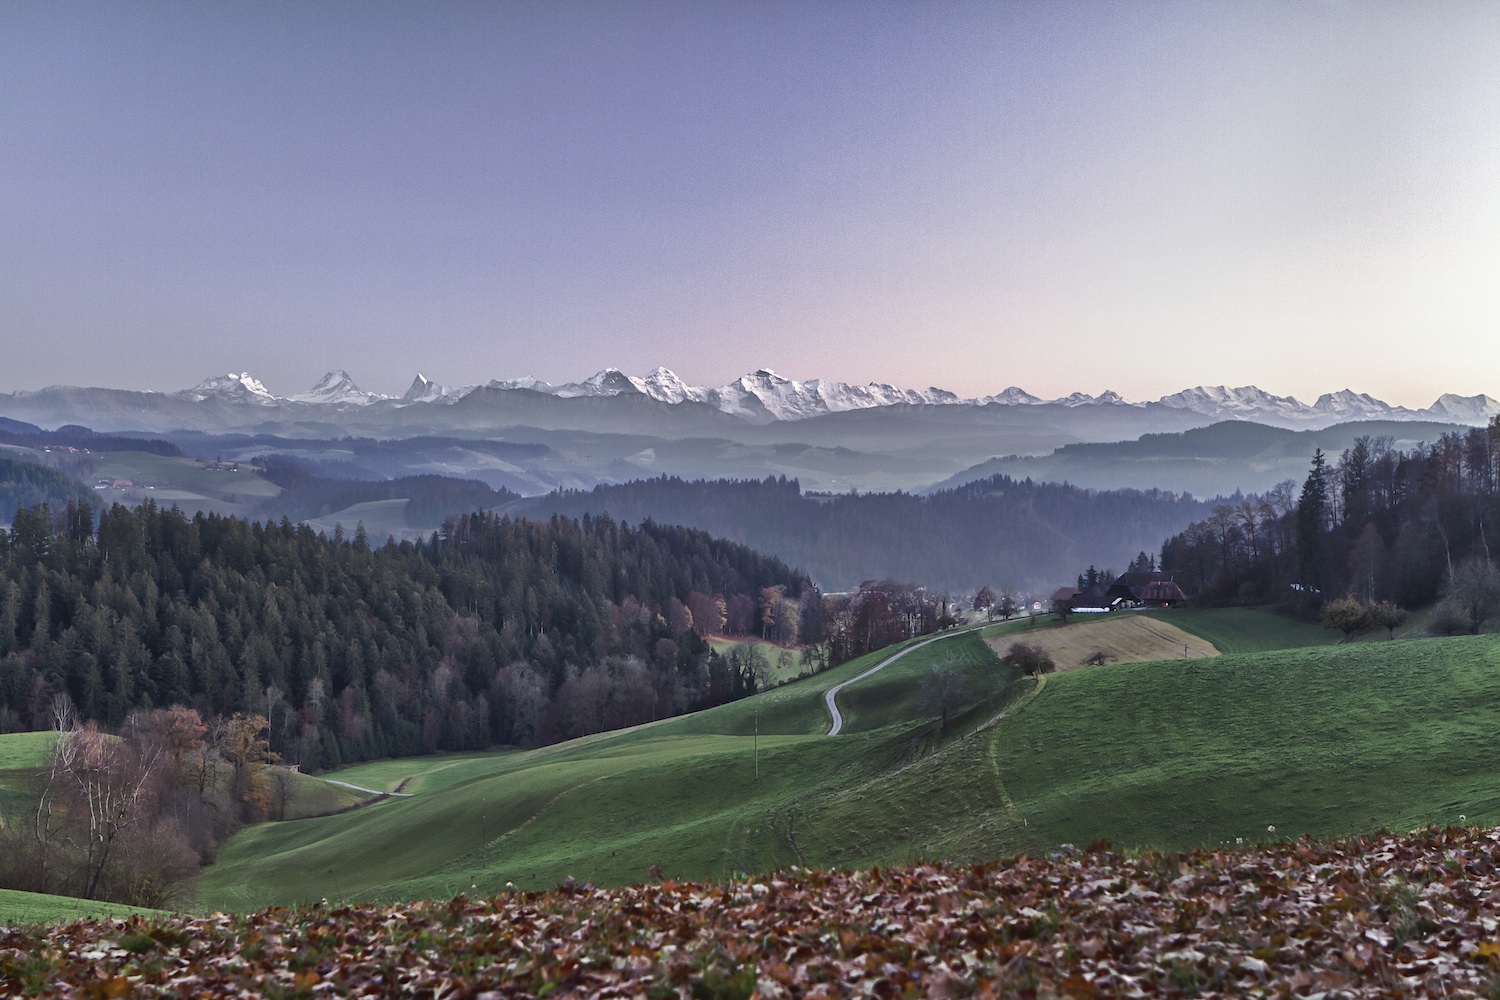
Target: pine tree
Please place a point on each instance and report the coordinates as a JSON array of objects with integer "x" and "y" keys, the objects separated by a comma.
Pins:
[{"x": 1312, "y": 516}]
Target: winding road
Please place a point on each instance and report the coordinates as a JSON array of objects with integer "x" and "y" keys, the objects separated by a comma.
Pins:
[
  {"x": 372, "y": 791},
  {"x": 833, "y": 709}
]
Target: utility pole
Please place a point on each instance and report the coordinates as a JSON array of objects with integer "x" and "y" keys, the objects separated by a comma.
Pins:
[{"x": 757, "y": 744}]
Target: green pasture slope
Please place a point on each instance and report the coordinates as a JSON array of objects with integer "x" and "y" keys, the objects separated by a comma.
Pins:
[
  {"x": 682, "y": 794},
  {"x": 1247, "y": 630},
  {"x": 37, "y": 908},
  {"x": 1259, "y": 630},
  {"x": 22, "y": 756},
  {"x": 1320, "y": 739}
]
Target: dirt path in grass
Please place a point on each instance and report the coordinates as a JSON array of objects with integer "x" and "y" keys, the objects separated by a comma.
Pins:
[{"x": 1121, "y": 637}]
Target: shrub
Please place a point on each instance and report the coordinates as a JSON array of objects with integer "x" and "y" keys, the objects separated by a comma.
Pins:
[{"x": 1029, "y": 660}]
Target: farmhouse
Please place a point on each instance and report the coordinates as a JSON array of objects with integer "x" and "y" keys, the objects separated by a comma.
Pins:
[
  {"x": 1071, "y": 600},
  {"x": 1152, "y": 590},
  {"x": 1062, "y": 600}
]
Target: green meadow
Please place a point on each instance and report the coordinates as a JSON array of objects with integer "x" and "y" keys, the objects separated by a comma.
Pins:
[
  {"x": 1289, "y": 730},
  {"x": 37, "y": 908},
  {"x": 1320, "y": 740},
  {"x": 744, "y": 787}
]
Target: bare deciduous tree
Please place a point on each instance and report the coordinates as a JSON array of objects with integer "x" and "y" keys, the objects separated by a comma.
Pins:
[{"x": 1473, "y": 594}]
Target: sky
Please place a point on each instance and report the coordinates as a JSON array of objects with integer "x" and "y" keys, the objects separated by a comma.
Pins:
[{"x": 1057, "y": 195}]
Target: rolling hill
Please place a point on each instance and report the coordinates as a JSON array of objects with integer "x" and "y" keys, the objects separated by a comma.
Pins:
[
  {"x": 1170, "y": 754},
  {"x": 1204, "y": 461}
]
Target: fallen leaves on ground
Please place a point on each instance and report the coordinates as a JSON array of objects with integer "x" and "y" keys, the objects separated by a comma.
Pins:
[{"x": 1398, "y": 915}]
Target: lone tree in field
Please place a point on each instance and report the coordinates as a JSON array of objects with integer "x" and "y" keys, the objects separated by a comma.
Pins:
[
  {"x": 1389, "y": 616},
  {"x": 1009, "y": 604},
  {"x": 943, "y": 691},
  {"x": 1348, "y": 616},
  {"x": 1029, "y": 660}
]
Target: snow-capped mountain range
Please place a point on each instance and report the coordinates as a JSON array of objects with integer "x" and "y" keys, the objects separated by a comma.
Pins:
[{"x": 763, "y": 396}]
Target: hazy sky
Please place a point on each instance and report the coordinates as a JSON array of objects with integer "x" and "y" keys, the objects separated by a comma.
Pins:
[{"x": 1133, "y": 196}]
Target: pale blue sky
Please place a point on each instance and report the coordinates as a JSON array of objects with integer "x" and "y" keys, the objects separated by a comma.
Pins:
[{"x": 1135, "y": 196}]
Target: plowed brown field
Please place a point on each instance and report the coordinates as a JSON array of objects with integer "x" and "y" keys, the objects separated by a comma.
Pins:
[{"x": 1121, "y": 637}]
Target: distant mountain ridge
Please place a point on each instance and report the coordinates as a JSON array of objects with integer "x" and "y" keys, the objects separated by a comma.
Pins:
[{"x": 763, "y": 396}]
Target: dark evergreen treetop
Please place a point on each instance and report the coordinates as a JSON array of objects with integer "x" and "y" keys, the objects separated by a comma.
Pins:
[{"x": 352, "y": 652}]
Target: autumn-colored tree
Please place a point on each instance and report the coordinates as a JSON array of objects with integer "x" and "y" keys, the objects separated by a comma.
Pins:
[
  {"x": 181, "y": 733},
  {"x": 769, "y": 598},
  {"x": 242, "y": 742}
]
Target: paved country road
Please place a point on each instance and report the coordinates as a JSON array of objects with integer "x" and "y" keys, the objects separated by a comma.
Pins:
[
  {"x": 372, "y": 791},
  {"x": 833, "y": 709}
]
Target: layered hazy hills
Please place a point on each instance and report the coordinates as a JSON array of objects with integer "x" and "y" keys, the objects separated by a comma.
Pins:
[
  {"x": 612, "y": 428},
  {"x": 1204, "y": 461}
]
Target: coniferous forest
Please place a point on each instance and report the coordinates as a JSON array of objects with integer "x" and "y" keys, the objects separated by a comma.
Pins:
[
  {"x": 495, "y": 631},
  {"x": 994, "y": 530},
  {"x": 1378, "y": 525}
]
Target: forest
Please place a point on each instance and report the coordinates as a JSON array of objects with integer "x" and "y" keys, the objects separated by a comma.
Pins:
[
  {"x": 494, "y": 631},
  {"x": 1410, "y": 528},
  {"x": 25, "y": 484},
  {"x": 1017, "y": 532}
]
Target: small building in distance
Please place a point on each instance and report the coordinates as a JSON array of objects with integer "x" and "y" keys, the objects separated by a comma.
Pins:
[
  {"x": 1147, "y": 589},
  {"x": 1071, "y": 600}
]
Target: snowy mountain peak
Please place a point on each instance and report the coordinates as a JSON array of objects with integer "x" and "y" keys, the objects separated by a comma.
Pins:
[
  {"x": 1465, "y": 409},
  {"x": 338, "y": 387},
  {"x": 422, "y": 389},
  {"x": 665, "y": 386},
  {"x": 524, "y": 382},
  {"x": 241, "y": 387},
  {"x": 1076, "y": 399},
  {"x": 609, "y": 382},
  {"x": 1013, "y": 396},
  {"x": 1347, "y": 403}
]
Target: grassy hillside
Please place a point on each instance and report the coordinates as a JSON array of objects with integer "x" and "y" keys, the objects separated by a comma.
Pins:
[
  {"x": 1247, "y": 630},
  {"x": 682, "y": 794},
  {"x": 1113, "y": 638},
  {"x": 21, "y": 756},
  {"x": 187, "y": 482},
  {"x": 36, "y": 908},
  {"x": 1316, "y": 740},
  {"x": 1324, "y": 739}
]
